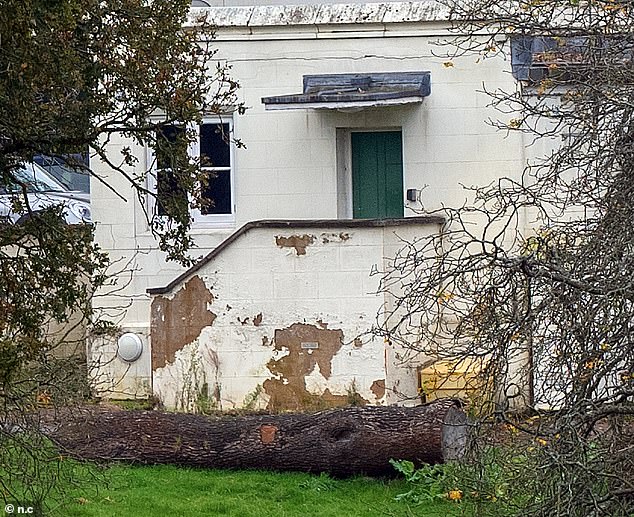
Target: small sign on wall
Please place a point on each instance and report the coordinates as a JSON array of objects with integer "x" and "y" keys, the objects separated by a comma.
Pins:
[{"x": 310, "y": 345}]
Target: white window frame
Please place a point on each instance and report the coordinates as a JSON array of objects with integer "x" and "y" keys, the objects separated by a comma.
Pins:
[{"x": 199, "y": 220}]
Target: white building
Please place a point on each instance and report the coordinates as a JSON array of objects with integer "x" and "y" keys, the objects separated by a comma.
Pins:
[{"x": 356, "y": 121}]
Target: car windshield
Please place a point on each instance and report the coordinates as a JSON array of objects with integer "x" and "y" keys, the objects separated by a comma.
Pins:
[
  {"x": 73, "y": 175},
  {"x": 34, "y": 178}
]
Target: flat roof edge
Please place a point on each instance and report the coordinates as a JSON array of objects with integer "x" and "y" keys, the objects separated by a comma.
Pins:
[{"x": 321, "y": 14}]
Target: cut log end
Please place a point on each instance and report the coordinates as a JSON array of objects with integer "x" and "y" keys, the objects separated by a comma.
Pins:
[{"x": 454, "y": 434}]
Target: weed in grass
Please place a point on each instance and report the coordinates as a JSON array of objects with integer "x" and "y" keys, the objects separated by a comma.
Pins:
[
  {"x": 428, "y": 483},
  {"x": 320, "y": 483}
]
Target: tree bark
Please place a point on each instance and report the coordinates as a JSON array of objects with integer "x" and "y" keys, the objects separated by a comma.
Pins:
[{"x": 342, "y": 442}]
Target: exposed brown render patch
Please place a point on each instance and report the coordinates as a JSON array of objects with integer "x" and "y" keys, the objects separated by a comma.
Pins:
[
  {"x": 267, "y": 433},
  {"x": 357, "y": 343},
  {"x": 265, "y": 341},
  {"x": 378, "y": 388},
  {"x": 289, "y": 390},
  {"x": 299, "y": 242},
  {"x": 177, "y": 322},
  {"x": 257, "y": 320}
]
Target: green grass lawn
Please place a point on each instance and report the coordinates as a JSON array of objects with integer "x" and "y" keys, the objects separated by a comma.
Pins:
[{"x": 171, "y": 491}]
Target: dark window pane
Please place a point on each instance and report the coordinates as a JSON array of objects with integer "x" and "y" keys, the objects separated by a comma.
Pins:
[
  {"x": 218, "y": 193},
  {"x": 166, "y": 136},
  {"x": 521, "y": 56},
  {"x": 214, "y": 145},
  {"x": 168, "y": 191},
  {"x": 561, "y": 60}
]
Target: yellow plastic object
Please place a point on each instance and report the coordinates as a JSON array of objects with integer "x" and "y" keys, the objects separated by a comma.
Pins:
[{"x": 465, "y": 379}]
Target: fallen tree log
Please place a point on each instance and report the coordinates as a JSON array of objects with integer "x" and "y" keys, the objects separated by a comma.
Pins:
[{"x": 342, "y": 442}]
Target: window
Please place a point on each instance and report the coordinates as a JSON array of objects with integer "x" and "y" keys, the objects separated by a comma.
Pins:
[
  {"x": 166, "y": 185},
  {"x": 214, "y": 150},
  {"x": 535, "y": 58},
  {"x": 570, "y": 60},
  {"x": 215, "y": 158}
]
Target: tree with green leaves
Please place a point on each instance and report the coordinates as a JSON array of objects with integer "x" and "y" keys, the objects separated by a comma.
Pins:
[
  {"x": 548, "y": 310},
  {"x": 74, "y": 74}
]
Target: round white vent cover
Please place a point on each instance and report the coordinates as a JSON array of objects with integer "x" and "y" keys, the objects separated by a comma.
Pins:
[{"x": 130, "y": 347}]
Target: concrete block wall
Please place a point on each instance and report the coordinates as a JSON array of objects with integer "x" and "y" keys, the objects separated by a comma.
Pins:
[
  {"x": 288, "y": 324},
  {"x": 279, "y": 318},
  {"x": 290, "y": 170}
]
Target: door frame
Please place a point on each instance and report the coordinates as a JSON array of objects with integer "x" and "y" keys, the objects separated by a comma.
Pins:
[{"x": 344, "y": 165}]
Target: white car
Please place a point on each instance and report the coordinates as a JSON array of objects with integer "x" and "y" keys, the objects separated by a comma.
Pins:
[{"x": 43, "y": 191}]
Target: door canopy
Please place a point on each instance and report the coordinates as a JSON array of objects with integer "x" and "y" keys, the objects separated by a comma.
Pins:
[{"x": 350, "y": 91}]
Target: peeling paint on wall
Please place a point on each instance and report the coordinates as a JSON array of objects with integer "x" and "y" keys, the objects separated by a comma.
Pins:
[
  {"x": 299, "y": 242},
  {"x": 271, "y": 344},
  {"x": 334, "y": 237},
  {"x": 178, "y": 321},
  {"x": 307, "y": 346},
  {"x": 378, "y": 388}
]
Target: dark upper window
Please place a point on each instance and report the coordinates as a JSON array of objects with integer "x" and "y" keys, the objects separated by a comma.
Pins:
[
  {"x": 167, "y": 187},
  {"x": 534, "y": 58},
  {"x": 213, "y": 148},
  {"x": 569, "y": 60},
  {"x": 215, "y": 157}
]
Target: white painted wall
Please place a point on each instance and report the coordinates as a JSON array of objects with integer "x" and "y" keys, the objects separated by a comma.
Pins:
[
  {"x": 260, "y": 287},
  {"x": 289, "y": 169}
]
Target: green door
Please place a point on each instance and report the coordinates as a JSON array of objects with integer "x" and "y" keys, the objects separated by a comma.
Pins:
[{"x": 377, "y": 175}]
